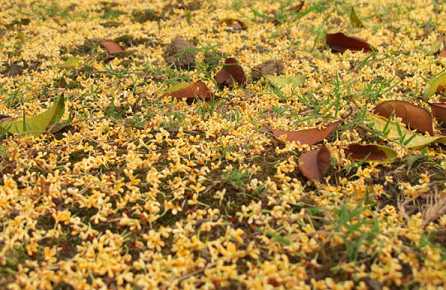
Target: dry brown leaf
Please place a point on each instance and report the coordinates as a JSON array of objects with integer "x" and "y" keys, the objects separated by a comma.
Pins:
[
  {"x": 439, "y": 111},
  {"x": 269, "y": 67},
  {"x": 4, "y": 117},
  {"x": 413, "y": 116},
  {"x": 233, "y": 24},
  {"x": 196, "y": 90},
  {"x": 306, "y": 136},
  {"x": 315, "y": 164},
  {"x": 435, "y": 209},
  {"x": 180, "y": 53},
  {"x": 230, "y": 74},
  {"x": 370, "y": 152},
  {"x": 339, "y": 42},
  {"x": 111, "y": 47}
]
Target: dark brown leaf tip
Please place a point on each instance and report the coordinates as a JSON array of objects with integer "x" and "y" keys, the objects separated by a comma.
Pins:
[
  {"x": 230, "y": 74},
  {"x": 306, "y": 136},
  {"x": 269, "y": 67},
  {"x": 234, "y": 25},
  {"x": 315, "y": 164},
  {"x": 439, "y": 111},
  {"x": 111, "y": 47},
  {"x": 413, "y": 116},
  {"x": 196, "y": 90},
  {"x": 5, "y": 117},
  {"x": 339, "y": 42},
  {"x": 180, "y": 53},
  {"x": 367, "y": 152}
]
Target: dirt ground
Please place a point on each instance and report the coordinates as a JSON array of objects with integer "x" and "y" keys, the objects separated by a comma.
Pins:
[{"x": 142, "y": 186}]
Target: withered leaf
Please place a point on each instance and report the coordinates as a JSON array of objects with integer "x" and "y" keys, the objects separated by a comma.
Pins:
[
  {"x": 59, "y": 127},
  {"x": 370, "y": 152},
  {"x": 392, "y": 131},
  {"x": 436, "y": 84},
  {"x": 111, "y": 47},
  {"x": 4, "y": 117},
  {"x": 413, "y": 116},
  {"x": 306, "y": 136},
  {"x": 315, "y": 163},
  {"x": 269, "y": 67},
  {"x": 439, "y": 111},
  {"x": 233, "y": 24},
  {"x": 180, "y": 53},
  {"x": 196, "y": 90},
  {"x": 230, "y": 74},
  {"x": 339, "y": 42}
]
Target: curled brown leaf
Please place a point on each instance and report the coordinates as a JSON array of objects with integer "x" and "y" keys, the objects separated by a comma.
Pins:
[
  {"x": 111, "y": 47},
  {"x": 180, "y": 53},
  {"x": 306, "y": 136},
  {"x": 230, "y": 74},
  {"x": 196, "y": 90},
  {"x": 370, "y": 152},
  {"x": 413, "y": 116},
  {"x": 315, "y": 163},
  {"x": 269, "y": 67},
  {"x": 4, "y": 117},
  {"x": 361, "y": 152},
  {"x": 233, "y": 24},
  {"x": 339, "y": 42},
  {"x": 439, "y": 111}
]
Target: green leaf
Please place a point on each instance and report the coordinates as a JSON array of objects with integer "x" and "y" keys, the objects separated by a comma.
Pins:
[
  {"x": 72, "y": 62},
  {"x": 35, "y": 125},
  {"x": 175, "y": 87},
  {"x": 280, "y": 82},
  {"x": 396, "y": 131},
  {"x": 59, "y": 126},
  {"x": 433, "y": 85},
  {"x": 412, "y": 159},
  {"x": 279, "y": 238},
  {"x": 354, "y": 19}
]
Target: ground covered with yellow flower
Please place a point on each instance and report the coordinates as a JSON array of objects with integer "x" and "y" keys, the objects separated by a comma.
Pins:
[{"x": 143, "y": 186}]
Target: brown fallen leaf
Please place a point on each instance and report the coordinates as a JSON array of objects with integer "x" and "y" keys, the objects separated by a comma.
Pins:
[
  {"x": 370, "y": 152},
  {"x": 233, "y": 24},
  {"x": 111, "y": 47},
  {"x": 413, "y": 116},
  {"x": 4, "y": 117},
  {"x": 339, "y": 42},
  {"x": 230, "y": 74},
  {"x": 306, "y": 136},
  {"x": 439, "y": 111},
  {"x": 269, "y": 67},
  {"x": 435, "y": 208},
  {"x": 180, "y": 53},
  {"x": 59, "y": 127},
  {"x": 315, "y": 163},
  {"x": 442, "y": 53},
  {"x": 196, "y": 90}
]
